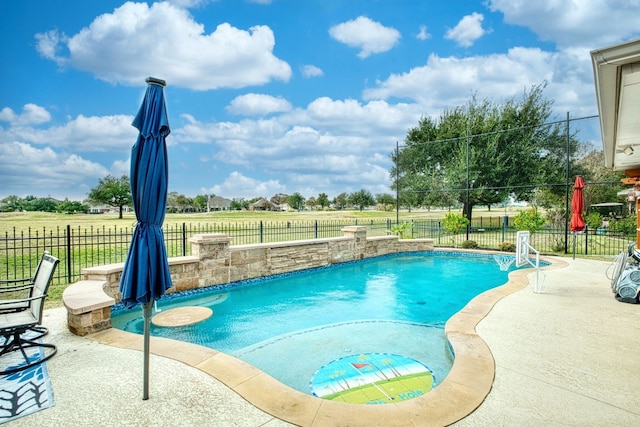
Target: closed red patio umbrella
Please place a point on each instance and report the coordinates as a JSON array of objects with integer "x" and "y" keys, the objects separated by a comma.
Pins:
[{"x": 577, "y": 205}]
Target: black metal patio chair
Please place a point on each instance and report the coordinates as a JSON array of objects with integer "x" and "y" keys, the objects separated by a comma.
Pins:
[{"x": 21, "y": 320}]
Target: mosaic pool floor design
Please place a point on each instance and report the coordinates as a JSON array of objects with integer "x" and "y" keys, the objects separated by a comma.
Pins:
[{"x": 372, "y": 378}]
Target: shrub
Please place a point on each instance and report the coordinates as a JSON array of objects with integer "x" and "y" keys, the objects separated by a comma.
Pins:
[
  {"x": 529, "y": 220},
  {"x": 507, "y": 247},
  {"x": 454, "y": 223},
  {"x": 402, "y": 230},
  {"x": 593, "y": 220},
  {"x": 469, "y": 244},
  {"x": 625, "y": 225}
]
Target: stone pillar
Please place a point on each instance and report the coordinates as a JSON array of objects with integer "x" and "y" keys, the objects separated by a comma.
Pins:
[
  {"x": 214, "y": 258},
  {"x": 359, "y": 235}
]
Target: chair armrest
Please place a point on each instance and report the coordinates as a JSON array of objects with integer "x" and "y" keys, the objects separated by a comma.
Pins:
[
  {"x": 6, "y": 289},
  {"x": 17, "y": 301},
  {"x": 8, "y": 281}
]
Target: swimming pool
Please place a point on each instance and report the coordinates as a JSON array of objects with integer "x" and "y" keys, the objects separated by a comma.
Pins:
[{"x": 292, "y": 325}]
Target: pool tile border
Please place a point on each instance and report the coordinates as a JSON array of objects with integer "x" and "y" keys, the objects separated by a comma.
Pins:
[{"x": 459, "y": 394}]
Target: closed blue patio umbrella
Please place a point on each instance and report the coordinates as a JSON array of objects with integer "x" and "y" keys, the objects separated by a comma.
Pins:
[{"x": 146, "y": 276}]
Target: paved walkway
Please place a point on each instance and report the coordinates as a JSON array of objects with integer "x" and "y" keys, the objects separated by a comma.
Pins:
[{"x": 569, "y": 356}]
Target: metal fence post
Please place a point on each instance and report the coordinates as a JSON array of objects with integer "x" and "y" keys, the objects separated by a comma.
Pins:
[
  {"x": 586, "y": 239},
  {"x": 315, "y": 227},
  {"x": 505, "y": 224},
  {"x": 184, "y": 239},
  {"x": 69, "y": 264},
  {"x": 261, "y": 231}
]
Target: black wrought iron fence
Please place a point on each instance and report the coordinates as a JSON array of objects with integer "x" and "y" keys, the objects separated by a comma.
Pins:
[{"x": 82, "y": 247}]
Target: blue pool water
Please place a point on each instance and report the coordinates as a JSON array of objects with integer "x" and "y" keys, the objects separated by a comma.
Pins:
[{"x": 291, "y": 325}]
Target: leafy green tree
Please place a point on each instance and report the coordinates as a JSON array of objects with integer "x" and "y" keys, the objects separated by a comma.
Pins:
[
  {"x": 11, "y": 204},
  {"x": 323, "y": 200},
  {"x": 68, "y": 206},
  {"x": 200, "y": 202},
  {"x": 238, "y": 204},
  {"x": 40, "y": 204},
  {"x": 509, "y": 149},
  {"x": 279, "y": 198},
  {"x": 311, "y": 202},
  {"x": 385, "y": 199},
  {"x": 594, "y": 170},
  {"x": 112, "y": 191},
  {"x": 183, "y": 203},
  {"x": 341, "y": 201},
  {"x": 361, "y": 199},
  {"x": 296, "y": 201}
]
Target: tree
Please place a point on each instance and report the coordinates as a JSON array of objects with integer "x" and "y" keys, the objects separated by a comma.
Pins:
[
  {"x": 594, "y": 170},
  {"x": 184, "y": 203},
  {"x": 200, "y": 202},
  {"x": 68, "y": 206},
  {"x": 296, "y": 201},
  {"x": 340, "y": 202},
  {"x": 361, "y": 199},
  {"x": 39, "y": 204},
  {"x": 385, "y": 199},
  {"x": 112, "y": 191},
  {"x": 11, "y": 204},
  {"x": 509, "y": 149},
  {"x": 386, "y": 202},
  {"x": 279, "y": 198},
  {"x": 323, "y": 200},
  {"x": 239, "y": 204},
  {"x": 311, "y": 202}
]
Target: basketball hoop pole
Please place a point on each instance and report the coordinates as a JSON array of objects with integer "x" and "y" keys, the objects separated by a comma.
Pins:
[{"x": 522, "y": 256}]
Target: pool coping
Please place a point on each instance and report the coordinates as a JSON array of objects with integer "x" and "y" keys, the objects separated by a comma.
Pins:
[{"x": 462, "y": 391}]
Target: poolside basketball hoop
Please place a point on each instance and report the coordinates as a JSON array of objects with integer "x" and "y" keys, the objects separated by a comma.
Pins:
[{"x": 504, "y": 261}]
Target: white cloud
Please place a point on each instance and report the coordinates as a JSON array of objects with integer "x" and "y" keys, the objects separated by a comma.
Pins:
[
  {"x": 369, "y": 36},
  {"x": 61, "y": 173},
  {"x": 423, "y": 34},
  {"x": 467, "y": 31},
  {"x": 254, "y": 104},
  {"x": 311, "y": 71},
  {"x": 84, "y": 134},
  {"x": 236, "y": 185},
  {"x": 32, "y": 114},
  {"x": 189, "y": 3},
  {"x": 587, "y": 23},
  {"x": 136, "y": 41},
  {"x": 120, "y": 167},
  {"x": 446, "y": 82}
]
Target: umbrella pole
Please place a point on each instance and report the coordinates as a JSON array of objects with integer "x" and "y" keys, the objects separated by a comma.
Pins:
[
  {"x": 574, "y": 245},
  {"x": 146, "y": 308}
]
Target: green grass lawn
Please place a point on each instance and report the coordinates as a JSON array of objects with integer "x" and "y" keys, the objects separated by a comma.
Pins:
[{"x": 24, "y": 220}]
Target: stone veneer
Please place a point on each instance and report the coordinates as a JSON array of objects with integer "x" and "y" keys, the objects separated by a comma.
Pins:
[{"x": 215, "y": 262}]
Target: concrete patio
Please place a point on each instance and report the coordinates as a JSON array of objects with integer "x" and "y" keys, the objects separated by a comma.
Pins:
[{"x": 568, "y": 356}]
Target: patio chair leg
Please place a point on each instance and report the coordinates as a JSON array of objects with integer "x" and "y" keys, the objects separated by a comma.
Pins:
[{"x": 14, "y": 343}]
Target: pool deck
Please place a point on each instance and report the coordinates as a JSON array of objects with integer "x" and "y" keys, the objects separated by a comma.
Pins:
[{"x": 568, "y": 356}]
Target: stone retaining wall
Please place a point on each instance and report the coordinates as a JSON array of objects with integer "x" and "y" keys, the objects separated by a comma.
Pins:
[{"x": 214, "y": 262}]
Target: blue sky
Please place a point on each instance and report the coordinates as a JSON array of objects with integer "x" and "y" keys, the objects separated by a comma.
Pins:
[{"x": 273, "y": 96}]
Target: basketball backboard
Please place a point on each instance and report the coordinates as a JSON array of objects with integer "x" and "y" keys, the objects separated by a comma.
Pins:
[{"x": 522, "y": 248}]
